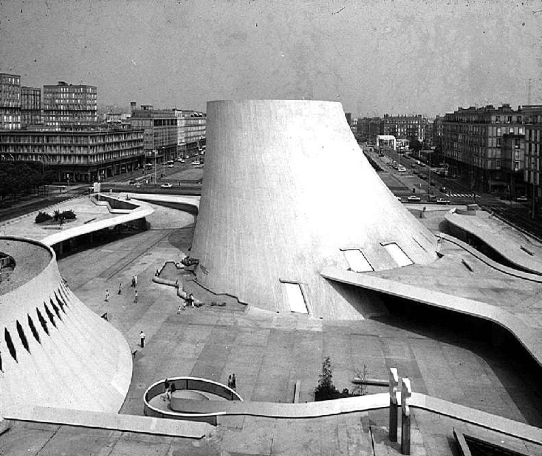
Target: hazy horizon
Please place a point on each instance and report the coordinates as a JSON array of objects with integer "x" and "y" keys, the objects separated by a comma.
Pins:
[{"x": 394, "y": 57}]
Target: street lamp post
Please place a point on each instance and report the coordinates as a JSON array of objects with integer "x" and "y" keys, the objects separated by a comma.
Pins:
[{"x": 155, "y": 152}]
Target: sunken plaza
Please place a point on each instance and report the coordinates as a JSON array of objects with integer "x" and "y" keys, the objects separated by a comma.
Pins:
[{"x": 295, "y": 251}]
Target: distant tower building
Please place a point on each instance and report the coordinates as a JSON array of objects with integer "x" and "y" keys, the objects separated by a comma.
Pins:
[
  {"x": 69, "y": 105},
  {"x": 10, "y": 101},
  {"x": 30, "y": 106}
]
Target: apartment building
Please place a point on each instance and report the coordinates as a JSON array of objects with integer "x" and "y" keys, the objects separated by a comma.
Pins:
[
  {"x": 77, "y": 156},
  {"x": 472, "y": 142},
  {"x": 160, "y": 132},
  {"x": 30, "y": 106},
  {"x": 402, "y": 127},
  {"x": 192, "y": 126},
  {"x": 66, "y": 105},
  {"x": 533, "y": 148},
  {"x": 10, "y": 101}
]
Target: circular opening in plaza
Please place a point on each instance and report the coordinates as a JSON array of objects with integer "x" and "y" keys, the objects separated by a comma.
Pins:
[{"x": 177, "y": 397}]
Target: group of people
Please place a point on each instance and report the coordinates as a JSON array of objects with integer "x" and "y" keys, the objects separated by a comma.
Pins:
[{"x": 232, "y": 382}]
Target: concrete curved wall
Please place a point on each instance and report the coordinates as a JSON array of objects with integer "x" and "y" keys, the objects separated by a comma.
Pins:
[
  {"x": 55, "y": 351},
  {"x": 286, "y": 187}
]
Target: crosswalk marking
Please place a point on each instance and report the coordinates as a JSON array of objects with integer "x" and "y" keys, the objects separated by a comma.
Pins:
[{"x": 463, "y": 195}]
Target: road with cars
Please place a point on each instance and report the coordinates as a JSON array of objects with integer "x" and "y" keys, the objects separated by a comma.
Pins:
[{"x": 416, "y": 183}]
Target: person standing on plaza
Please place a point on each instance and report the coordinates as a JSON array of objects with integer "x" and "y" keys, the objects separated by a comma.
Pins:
[
  {"x": 142, "y": 339},
  {"x": 135, "y": 281},
  {"x": 229, "y": 381},
  {"x": 233, "y": 382},
  {"x": 135, "y": 296},
  {"x": 106, "y": 295},
  {"x": 120, "y": 288}
]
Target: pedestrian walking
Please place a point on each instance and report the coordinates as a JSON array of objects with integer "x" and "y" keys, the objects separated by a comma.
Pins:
[
  {"x": 233, "y": 382},
  {"x": 135, "y": 296},
  {"x": 229, "y": 381},
  {"x": 133, "y": 281},
  {"x": 106, "y": 295},
  {"x": 120, "y": 288},
  {"x": 142, "y": 339},
  {"x": 190, "y": 300},
  {"x": 180, "y": 309}
]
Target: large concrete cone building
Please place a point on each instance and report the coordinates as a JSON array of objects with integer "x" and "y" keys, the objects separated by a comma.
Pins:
[
  {"x": 54, "y": 351},
  {"x": 286, "y": 192}
]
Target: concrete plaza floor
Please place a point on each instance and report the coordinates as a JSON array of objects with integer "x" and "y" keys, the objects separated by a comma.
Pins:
[{"x": 269, "y": 353}]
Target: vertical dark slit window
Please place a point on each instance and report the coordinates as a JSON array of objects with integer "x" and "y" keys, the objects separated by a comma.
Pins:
[
  {"x": 1, "y": 367},
  {"x": 60, "y": 302},
  {"x": 55, "y": 308},
  {"x": 22, "y": 336},
  {"x": 42, "y": 321},
  {"x": 9, "y": 343},
  {"x": 33, "y": 329},
  {"x": 50, "y": 315},
  {"x": 63, "y": 296}
]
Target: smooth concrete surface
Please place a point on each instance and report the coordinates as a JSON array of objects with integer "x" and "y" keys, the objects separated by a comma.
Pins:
[
  {"x": 286, "y": 189},
  {"x": 521, "y": 250},
  {"x": 91, "y": 217},
  {"x": 111, "y": 421},
  {"x": 270, "y": 352}
]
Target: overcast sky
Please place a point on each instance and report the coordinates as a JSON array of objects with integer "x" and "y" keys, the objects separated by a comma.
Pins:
[{"x": 375, "y": 57}]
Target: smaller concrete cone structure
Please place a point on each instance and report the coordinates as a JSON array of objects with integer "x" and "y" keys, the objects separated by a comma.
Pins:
[
  {"x": 286, "y": 192},
  {"x": 54, "y": 351}
]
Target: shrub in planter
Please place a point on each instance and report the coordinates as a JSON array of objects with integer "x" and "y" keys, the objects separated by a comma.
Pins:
[
  {"x": 68, "y": 215},
  {"x": 42, "y": 217}
]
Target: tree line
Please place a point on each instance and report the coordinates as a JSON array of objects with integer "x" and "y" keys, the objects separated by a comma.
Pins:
[{"x": 18, "y": 178}]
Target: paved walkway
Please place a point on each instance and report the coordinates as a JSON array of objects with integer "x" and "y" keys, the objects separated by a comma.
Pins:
[{"x": 270, "y": 352}]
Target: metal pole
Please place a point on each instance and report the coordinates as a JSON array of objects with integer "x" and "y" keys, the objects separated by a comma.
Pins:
[{"x": 155, "y": 152}]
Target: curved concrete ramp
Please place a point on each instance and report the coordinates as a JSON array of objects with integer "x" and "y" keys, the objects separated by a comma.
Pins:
[{"x": 286, "y": 192}]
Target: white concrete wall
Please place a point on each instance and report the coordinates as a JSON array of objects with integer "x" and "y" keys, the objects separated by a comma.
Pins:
[
  {"x": 83, "y": 363},
  {"x": 285, "y": 188}
]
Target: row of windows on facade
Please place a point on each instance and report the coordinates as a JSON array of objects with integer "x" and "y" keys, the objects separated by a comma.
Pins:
[{"x": 96, "y": 157}]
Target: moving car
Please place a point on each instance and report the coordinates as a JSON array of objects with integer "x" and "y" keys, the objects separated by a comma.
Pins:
[
  {"x": 413, "y": 198},
  {"x": 166, "y": 185},
  {"x": 443, "y": 201},
  {"x": 522, "y": 199}
]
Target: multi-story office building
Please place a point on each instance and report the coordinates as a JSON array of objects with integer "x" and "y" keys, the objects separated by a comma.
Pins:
[
  {"x": 10, "y": 101},
  {"x": 67, "y": 105},
  {"x": 192, "y": 128},
  {"x": 30, "y": 106},
  {"x": 533, "y": 148},
  {"x": 472, "y": 141},
  {"x": 160, "y": 132},
  {"x": 76, "y": 156}
]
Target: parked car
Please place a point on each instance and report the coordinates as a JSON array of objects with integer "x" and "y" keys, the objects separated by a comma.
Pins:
[
  {"x": 170, "y": 166},
  {"x": 522, "y": 199},
  {"x": 414, "y": 198},
  {"x": 166, "y": 185},
  {"x": 443, "y": 201},
  {"x": 431, "y": 199}
]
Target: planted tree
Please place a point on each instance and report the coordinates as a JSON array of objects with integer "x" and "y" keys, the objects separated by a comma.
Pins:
[{"x": 326, "y": 389}]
